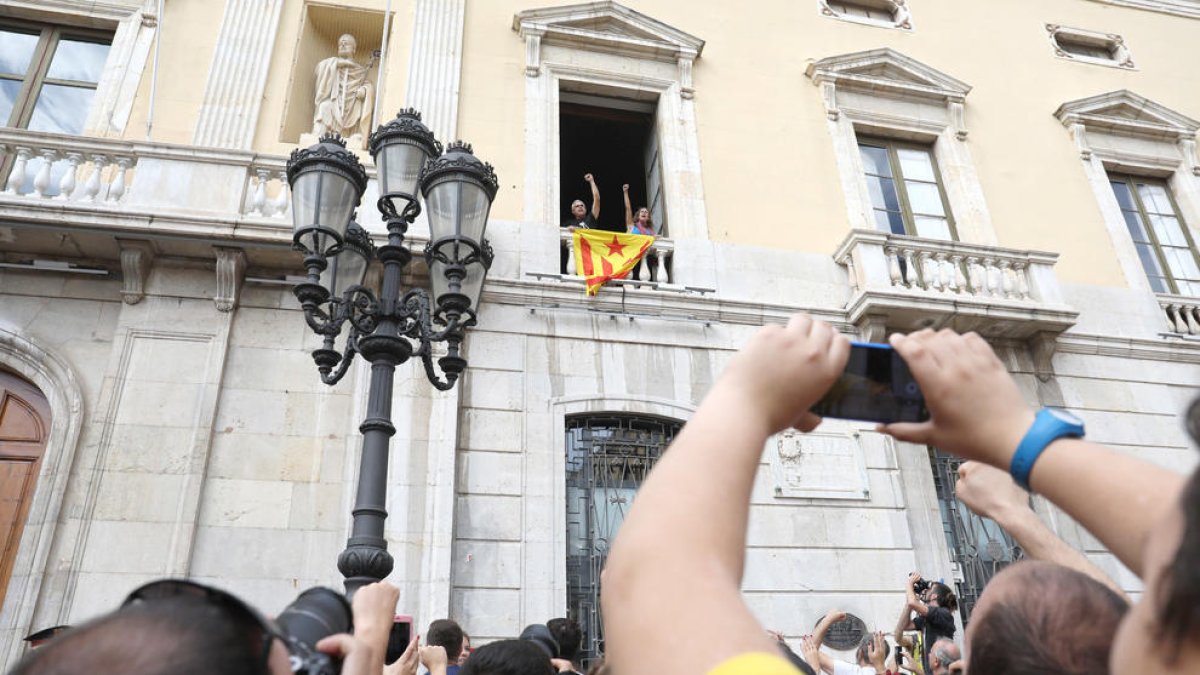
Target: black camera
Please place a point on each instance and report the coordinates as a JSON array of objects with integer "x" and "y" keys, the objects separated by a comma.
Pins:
[
  {"x": 921, "y": 586},
  {"x": 313, "y": 616}
]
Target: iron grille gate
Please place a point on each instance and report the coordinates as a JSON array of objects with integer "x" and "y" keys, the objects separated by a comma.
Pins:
[
  {"x": 608, "y": 457},
  {"x": 979, "y": 548}
]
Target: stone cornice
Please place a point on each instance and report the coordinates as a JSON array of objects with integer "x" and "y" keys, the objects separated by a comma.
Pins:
[
  {"x": 903, "y": 76},
  {"x": 1103, "y": 112},
  {"x": 1185, "y": 8},
  {"x": 551, "y": 296},
  {"x": 570, "y": 24}
]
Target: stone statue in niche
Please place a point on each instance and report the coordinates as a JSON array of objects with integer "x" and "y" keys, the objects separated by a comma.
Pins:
[{"x": 344, "y": 95}]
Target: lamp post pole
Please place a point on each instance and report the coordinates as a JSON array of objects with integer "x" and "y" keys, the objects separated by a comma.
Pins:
[{"x": 327, "y": 183}]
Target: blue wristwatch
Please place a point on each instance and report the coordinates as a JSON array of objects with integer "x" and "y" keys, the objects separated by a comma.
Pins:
[{"x": 1050, "y": 425}]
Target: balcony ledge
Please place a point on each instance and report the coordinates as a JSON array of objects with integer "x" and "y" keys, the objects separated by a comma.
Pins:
[{"x": 908, "y": 283}]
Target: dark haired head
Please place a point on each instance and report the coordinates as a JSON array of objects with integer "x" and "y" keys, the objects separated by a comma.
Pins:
[
  {"x": 181, "y": 636},
  {"x": 508, "y": 657},
  {"x": 944, "y": 596},
  {"x": 1043, "y": 619},
  {"x": 567, "y": 634},
  {"x": 446, "y": 634},
  {"x": 1178, "y": 590}
]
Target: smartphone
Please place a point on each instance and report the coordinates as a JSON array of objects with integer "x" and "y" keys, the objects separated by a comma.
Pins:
[
  {"x": 399, "y": 638},
  {"x": 876, "y": 386}
]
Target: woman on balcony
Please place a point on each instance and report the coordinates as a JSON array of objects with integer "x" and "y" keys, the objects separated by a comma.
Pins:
[{"x": 639, "y": 224}]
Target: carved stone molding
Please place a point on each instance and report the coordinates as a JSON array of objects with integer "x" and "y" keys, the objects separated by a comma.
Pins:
[
  {"x": 1124, "y": 113},
  {"x": 1188, "y": 8},
  {"x": 231, "y": 268},
  {"x": 888, "y": 73},
  {"x": 821, "y": 465},
  {"x": 1119, "y": 55},
  {"x": 606, "y": 27},
  {"x": 901, "y": 17},
  {"x": 136, "y": 259},
  {"x": 1042, "y": 346}
]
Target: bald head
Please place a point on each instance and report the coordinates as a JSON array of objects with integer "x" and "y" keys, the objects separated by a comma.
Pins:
[{"x": 1039, "y": 618}]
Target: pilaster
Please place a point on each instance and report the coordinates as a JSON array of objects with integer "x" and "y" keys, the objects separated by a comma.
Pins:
[
  {"x": 435, "y": 64},
  {"x": 238, "y": 74}
]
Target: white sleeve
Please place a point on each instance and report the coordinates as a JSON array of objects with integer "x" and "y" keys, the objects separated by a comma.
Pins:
[{"x": 843, "y": 668}]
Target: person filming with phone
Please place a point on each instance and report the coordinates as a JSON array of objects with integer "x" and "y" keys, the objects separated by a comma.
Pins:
[{"x": 1149, "y": 517}]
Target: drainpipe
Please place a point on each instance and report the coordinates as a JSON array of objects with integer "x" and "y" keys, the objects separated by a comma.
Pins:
[
  {"x": 154, "y": 70},
  {"x": 383, "y": 50}
]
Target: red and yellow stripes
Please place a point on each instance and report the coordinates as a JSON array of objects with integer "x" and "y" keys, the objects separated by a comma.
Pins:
[{"x": 600, "y": 255}]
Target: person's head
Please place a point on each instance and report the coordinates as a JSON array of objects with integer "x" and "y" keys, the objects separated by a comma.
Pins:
[
  {"x": 466, "y": 649},
  {"x": 448, "y": 635},
  {"x": 347, "y": 46},
  {"x": 508, "y": 657},
  {"x": 1039, "y": 618},
  {"x": 541, "y": 636},
  {"x": 578, "y": 209},
  {"x": 642, "y": 217},
  {"x": 942, "y": 654},
  {"x": 862, "y": 653},
  {"x": 940, "y": 595},
  {"x": 1161, "y": 634},
  {"x": 567, "y": 634},
  {"x": 181, "y": 635}
]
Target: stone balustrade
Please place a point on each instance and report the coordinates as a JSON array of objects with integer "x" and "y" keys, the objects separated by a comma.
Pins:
[
  {"x": 60, "y": 167},
  {"x": 102, "y": 171},
  {"x": 267, "y": 192},
  {"x": 910, "y": 282},
  {"x": 658, "y": 260},
  {"x": 1183, "y": 313}
]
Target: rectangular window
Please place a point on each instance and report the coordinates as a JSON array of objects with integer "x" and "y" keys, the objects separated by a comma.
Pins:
[
  {"x": 613, "y": 139},
  {"x": 48, "y": 78},
  {"x": 1163, "y": 243},
  {"x": 906, "y": 192},
  {"x": 48, "y": 75}
]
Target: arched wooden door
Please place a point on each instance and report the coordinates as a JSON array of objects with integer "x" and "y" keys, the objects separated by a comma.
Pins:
[{"x": 24, "y": 425}]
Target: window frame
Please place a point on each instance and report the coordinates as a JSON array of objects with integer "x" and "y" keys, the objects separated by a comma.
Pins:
[
  {"x": 892, "y": 146},
  {"x": 36, "y": 75},
  {"x": 897, "y": 12},
  {"x": 1131, "y": 181},
  {"x": 1117, "y": 52}
]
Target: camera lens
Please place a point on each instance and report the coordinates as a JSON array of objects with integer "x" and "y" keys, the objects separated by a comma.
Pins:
[{"x": 316, "y": 614}]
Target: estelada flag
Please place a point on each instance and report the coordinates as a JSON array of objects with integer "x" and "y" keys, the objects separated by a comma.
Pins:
[{"x": 601, "y": 255}]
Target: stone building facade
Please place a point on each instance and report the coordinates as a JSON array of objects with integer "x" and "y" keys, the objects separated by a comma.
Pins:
[{"x": 885, "y": 165}]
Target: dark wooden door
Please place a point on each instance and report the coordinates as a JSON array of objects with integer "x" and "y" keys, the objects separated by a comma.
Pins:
[{"x": 24, "y": 425}]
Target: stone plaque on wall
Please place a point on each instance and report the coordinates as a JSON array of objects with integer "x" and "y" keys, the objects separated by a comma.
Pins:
[{"x": 828, "y": 465}]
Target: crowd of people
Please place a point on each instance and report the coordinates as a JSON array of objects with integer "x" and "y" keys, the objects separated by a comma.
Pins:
[{"x": 671, "y": 594}]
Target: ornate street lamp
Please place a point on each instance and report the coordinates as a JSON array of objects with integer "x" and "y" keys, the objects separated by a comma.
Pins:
[{"x": 327, "y": 183}]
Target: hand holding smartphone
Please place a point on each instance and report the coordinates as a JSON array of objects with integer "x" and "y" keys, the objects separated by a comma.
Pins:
[{"x": 876, "y": 386}]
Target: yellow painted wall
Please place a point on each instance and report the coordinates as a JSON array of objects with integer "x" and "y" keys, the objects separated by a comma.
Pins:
[
  {"x": 770, "y": 177},
  {"x": 190, "y": 30},
  {"x": 188, "y": 34}
]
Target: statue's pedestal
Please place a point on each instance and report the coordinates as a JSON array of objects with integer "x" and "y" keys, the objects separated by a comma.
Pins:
[{"x": 355, "y": 142}]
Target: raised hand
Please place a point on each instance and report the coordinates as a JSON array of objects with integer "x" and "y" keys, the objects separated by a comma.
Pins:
[
  {"x": 784, "y": 370},
  {"x": 976, "y": 410},
  {"x": 588, "y": 178},
  {"x": 989, "y": 492}
]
